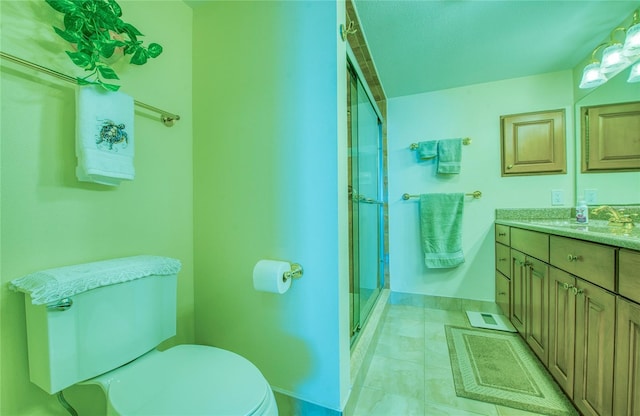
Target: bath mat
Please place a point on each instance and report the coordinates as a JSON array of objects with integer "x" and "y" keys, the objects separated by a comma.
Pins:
[
  {"x": 498, "y": 367},
  {"x": 490, "y": 321}
]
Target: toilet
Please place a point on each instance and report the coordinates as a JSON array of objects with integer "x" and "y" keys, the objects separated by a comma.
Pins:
[{"x": 100, "y": 323}]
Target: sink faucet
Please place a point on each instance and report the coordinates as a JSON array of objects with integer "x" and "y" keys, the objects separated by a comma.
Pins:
[{"x": 615, "y": 217}]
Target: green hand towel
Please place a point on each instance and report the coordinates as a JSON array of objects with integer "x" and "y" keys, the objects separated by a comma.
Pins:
[
  {"x": 449, "y": 155},
  {"x": 427, "y": 150},
  {"x": 441, "y": 229}
]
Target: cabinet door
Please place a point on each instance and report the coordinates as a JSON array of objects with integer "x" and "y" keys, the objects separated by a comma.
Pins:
[
  {"x": 627, "y": 383},
  {"x": 537, "y": 280},
  {"x": 503, "y": 289},
  {"x": 562, "y": 324},
  {"x": 518, "y": 291},
  {"x": 533, "y": 143},
  {"x": 595, "y": 332}
]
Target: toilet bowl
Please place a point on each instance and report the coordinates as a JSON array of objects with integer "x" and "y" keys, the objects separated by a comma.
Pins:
[
  {"x": 101, "y": 323},
  {"x": 187, "y": 380}
]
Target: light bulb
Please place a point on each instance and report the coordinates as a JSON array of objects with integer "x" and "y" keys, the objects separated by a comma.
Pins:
[
  {"x": 592, "y": 76},
  {"x": 613, "y": 59},
  {"x": 632, "y": 41},
  {"x": 634, "y": 74}
]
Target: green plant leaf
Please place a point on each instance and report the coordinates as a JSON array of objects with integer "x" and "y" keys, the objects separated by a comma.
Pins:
[
  {"x": 154, "y": 50},
  {"x": 73, "y": 23},
  {"x": 82, "y": 81},
  {"x": 110, "y": 87},
  {"x": 131, "y": 30},
  {"x": 107, "y": 49},
  {"x": 107, "y": 72},
  {"x": 115, "y": 7},
  {"x": 63, "y": 6},
  {"x": 80, "y": 58},
  {"x": 68, "y": 36},
  {"x": 139, "y": 57}
]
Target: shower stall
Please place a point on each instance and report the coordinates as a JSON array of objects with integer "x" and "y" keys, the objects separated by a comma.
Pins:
[{"x": 365, "y": 200}]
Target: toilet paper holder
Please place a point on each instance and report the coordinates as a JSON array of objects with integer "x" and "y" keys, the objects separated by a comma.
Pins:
[{"x": 296, "y": 272}]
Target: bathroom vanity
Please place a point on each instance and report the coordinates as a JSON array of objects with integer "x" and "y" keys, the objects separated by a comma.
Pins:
[{"x": 573, "y": 293}]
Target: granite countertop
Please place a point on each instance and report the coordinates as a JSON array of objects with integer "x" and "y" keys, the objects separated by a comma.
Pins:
[{"x": 561, "y": 221}]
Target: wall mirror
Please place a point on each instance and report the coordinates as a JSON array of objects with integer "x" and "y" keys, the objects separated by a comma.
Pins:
[{"x": 611, "y": 188}]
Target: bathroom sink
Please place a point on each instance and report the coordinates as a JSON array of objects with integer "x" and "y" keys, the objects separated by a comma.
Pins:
[{"x": 593, "y": 226}]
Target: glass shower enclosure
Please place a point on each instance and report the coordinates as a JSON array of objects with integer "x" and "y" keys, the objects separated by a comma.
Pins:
[{"x": 365, "y": 201}]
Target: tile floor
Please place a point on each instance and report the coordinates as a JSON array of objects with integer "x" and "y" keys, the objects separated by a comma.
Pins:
[{"x": 410, "y": 371}]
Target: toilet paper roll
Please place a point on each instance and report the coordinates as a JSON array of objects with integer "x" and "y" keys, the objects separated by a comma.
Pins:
[{"x": 268, "y": 276}]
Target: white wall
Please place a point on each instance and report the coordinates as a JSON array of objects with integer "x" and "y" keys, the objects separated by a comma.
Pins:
[
  {"x": 270, "y": 155},
  {"x": 474, "y": 112}
]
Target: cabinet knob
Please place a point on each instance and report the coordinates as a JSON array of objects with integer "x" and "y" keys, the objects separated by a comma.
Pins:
[
  {"x": 567, "y": 286},
  {"x": 502, "y": 293},
  {"x": 577, "y": 291},
  {"x": 509, "y": 166},
  {"x": 571, "y": 257},
  {"x": 502, "y": 234},
  {"x": 502, "y": 259}
]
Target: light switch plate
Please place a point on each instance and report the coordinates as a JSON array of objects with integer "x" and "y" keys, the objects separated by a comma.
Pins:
[{"x": 557, "y": 197}]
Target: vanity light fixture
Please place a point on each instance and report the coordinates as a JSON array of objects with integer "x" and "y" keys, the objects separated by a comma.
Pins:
[
  {"x": 615, "y": 56},
  {"x": 613, "y": 60},
  {"x": 632, "y": 42},
  {"x": 592, "y": 76},
  {"x": 634, "y": 75}
]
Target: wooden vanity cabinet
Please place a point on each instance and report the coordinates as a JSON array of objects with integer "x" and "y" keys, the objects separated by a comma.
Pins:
[
  {"x": 581, "y": 322},
  {"x": 566, "y": 306},
  {"x": 594, "y": 359},
  {"x": 562, "y": 328},
  {"x": 627, "y": 366},
  {"x": 503, "y": 269},
  {"x": 627, "y": 348},
  {"x": 530, "y": 288}
]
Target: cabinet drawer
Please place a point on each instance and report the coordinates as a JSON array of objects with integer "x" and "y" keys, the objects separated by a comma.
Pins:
[
  {"x": 590, "y": 261},
  {"x": 629, "y": 270},
  {"x": 502, "y": 234},
  {"x": 532, "y": 243},
  {"x": 503, "y": 289},
  {"x": 502, "y": 259}
]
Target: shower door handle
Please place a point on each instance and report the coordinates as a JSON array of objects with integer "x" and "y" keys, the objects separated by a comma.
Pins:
[{"x": 364, "y": 199}]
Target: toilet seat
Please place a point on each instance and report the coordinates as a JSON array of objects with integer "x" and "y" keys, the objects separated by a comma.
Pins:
[{"x": 190, "y": 380}]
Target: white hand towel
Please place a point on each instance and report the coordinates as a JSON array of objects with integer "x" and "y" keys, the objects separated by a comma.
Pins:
[
  {"x": 54, "y": 284},
  {"x": 104, "y": 136}
]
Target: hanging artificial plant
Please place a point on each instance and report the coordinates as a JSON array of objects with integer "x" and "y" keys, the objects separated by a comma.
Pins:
[{"x": 96, "y": 31}]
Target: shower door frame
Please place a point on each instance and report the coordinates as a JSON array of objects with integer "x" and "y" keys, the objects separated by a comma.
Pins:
[{"x": 358, "y": 316}]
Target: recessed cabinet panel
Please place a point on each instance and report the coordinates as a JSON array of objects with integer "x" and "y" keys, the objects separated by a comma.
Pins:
[
  {"x": 611, "y": 137},
  {"x": 627, "y": 380},
  {"x": 533, "y": 143},
  {"x": 629, "y": 271}
]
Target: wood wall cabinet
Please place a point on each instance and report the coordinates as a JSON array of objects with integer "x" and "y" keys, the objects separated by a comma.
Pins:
[
  {"x": 533, "y": 143},
  {"x": 577, "y": 306},
  {"x": 611, "y": 137}
]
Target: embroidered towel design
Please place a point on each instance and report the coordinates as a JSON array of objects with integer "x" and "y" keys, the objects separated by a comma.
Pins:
[
  {"x": 441, "y": 229},
  {"x": 104, "y": 136},
  {"x": 50, "y": 285}
]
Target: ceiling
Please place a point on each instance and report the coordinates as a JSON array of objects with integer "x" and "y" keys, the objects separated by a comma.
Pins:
[{"x": 427, "y": 45}]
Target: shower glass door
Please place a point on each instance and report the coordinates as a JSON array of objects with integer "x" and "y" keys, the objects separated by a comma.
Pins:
[{"x": 365, "y": 188}]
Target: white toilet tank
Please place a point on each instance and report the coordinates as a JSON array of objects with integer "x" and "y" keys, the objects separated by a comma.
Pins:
[{"x": 104, "y": 328}]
